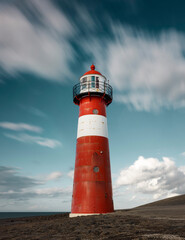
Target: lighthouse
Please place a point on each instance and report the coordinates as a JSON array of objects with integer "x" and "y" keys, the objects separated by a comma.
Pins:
[{"x": 92, "y": 186}]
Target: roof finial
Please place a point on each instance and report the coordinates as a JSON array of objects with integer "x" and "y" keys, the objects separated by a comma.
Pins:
[{"x": 92, "y": 67}]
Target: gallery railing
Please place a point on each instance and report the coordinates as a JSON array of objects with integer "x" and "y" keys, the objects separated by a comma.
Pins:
[{"x": 94, "y": 88}]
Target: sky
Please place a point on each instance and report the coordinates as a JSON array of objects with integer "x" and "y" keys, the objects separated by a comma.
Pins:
[{"x": 45, "y": 47}]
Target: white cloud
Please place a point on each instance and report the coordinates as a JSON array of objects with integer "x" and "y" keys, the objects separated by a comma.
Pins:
[
  {"x": 183, "y": 154},
  {"x": 182, "y": 169},
  {"x": 54, "y": 191},
  {"x": 20, "y": 127},
  {"x": 54, "y": 175},
  {"x": 71, "y": 174},
  {"x": 52, "y": 17},
  {"x": 151, "y": 176},
  {"x": 85, "y": 18},
  {"x": 17, "y": 190},
  {"x": 133, "y": 198},
  {"x": 26, "y": 138},
  {"x": 147, "y": 71},
  {"x": 39, "y": 46},
  {"x": 11, "y": 181}
]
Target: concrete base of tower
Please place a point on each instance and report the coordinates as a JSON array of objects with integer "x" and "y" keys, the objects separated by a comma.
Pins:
[{"x": 71, "y": 215}]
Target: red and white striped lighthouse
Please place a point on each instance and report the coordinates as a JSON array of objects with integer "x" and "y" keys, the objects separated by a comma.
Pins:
[{"x": 92, "y": 187}]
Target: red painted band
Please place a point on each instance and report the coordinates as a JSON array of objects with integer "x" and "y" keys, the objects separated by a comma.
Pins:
[
  {"x": 92, "y": 189},
  {"x": 89, "y": 105}
]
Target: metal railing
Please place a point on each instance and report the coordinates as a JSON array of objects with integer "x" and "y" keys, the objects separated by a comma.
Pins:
[{"x": 92, "y": 87}]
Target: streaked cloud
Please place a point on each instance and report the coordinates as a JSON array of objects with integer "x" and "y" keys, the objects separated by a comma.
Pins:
[
  {"x": 26, "y": 194},
  {"x": 53, "y": 192},
  {"x": 152, "y": 176},
  {"x": 26, "y": 138},
  {"x": 85, "y": 18},
  {"x": 14, "y": 186},
  {"x": 11, "y": 180},
  {"x": 40, "y": 46},
  {"x": 52, "y": 17},
  {"x": 147, "y": 71},
  {"x": 54, "y": 175},
  {"x": 20, "y": 127}
]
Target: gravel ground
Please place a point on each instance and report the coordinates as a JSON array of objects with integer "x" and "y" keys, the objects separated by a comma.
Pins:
[{"x": 139, "y": 223}]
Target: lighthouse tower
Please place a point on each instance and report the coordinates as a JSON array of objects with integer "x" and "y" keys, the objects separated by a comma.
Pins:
[{"x": 92, "y": 187}]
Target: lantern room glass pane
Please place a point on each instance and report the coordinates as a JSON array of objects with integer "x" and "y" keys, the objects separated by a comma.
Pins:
[
  {"x": 93, "y": 81},
  {"x": 97, "y": 82},
  {"x": 84, "y": 83}
]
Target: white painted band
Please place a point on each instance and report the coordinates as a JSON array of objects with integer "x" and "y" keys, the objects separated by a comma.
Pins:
[{"x": 92, "y": 125}]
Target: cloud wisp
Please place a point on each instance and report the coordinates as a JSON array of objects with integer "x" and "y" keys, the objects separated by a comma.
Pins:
[
  {"x": 151, "y": 176},
  {"x": 26, "y": 138},
  {"x": 71, "y": 174},
  {"x": 147, "y": 72},
  {"x": 11, "y": 181},
  {"x": 53, "y": 192},
  {"x": 20, "y": 127},
  {"x": 16, "y": 187},
  {"x": 54, "y": 176},
  {"x": 40, "y": 46}
]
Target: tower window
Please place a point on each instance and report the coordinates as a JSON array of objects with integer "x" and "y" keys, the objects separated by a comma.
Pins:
[
  {"x": 95, "y": 111},
  {"x": 96, "y": 169}
]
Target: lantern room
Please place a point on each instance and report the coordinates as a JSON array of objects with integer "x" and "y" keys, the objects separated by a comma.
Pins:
[{"x": 92, "y": 83}]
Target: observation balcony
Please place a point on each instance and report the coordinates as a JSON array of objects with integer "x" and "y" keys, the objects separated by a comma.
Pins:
[{"x": 92, "y": 88}]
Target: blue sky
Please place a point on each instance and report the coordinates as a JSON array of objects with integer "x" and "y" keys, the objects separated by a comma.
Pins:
[{"x": 45, "y": 46}]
